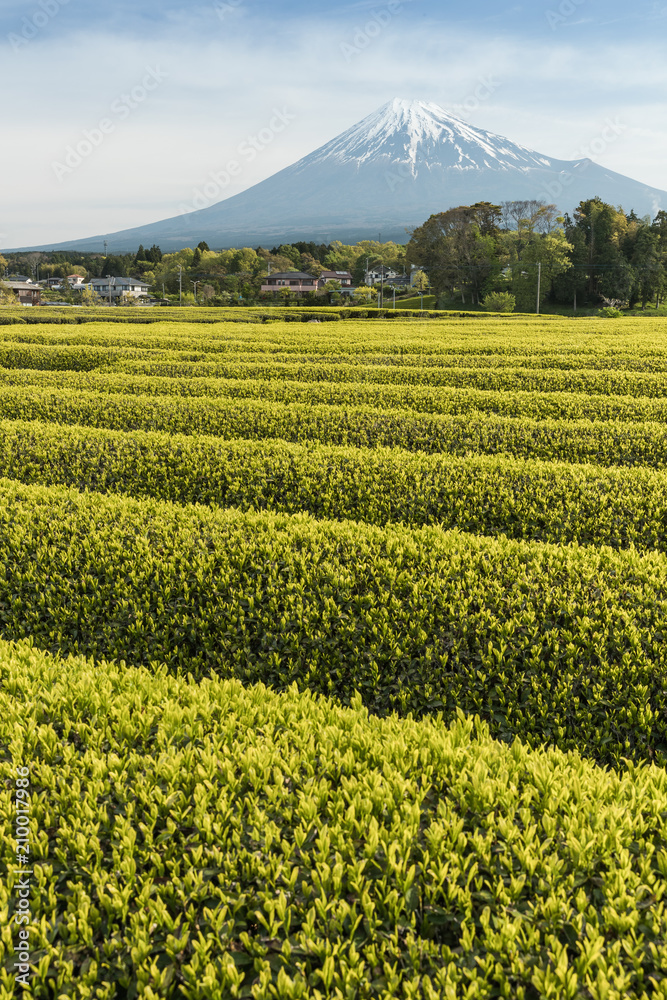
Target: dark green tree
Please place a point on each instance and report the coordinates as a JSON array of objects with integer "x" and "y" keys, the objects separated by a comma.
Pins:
[
  {"x": 457, "y": 249},
  {"x": 569, "y": 287},
  {"x": 605, "y": 229},
  {"x": 647, "y": 262}
]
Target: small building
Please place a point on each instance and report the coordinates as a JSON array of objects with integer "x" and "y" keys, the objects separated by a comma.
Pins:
[
  {"x": 296, "y": 281},
  {"x": 26, "y": 292},
  {"x": 344, "y": 277},
  {"x": 75, "y": 280},
  {"x": 381, "y": 273},
  {"x": 115, "y": 288}
]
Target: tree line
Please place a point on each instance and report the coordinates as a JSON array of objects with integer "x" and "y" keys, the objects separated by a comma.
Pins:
[
  {"x": 214, "y": 277},
  {"x": 517, "y": 255},
  {"x": 527, "y": 252}
]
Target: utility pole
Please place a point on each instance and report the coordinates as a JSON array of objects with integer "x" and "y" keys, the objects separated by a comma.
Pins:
[
  {"x": 109, "y": 280},
  {"x": 539, "y": 280},
  {"x": 382, "y": 282},
  {"x": 180, "y": 285},
  {"x": 195, "y": 283}
]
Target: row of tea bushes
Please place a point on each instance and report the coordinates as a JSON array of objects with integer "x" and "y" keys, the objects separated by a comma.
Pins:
[
  {"x": 620, "y": 383},
  {"x": 422, "y": 399},
  {"x": 546, "y": 501},
  {"x": 601, "y": 442},
  {"x": 204, "y": 841},
  {"x": 471, "y": 332},
  {"x": 85, "y": 357},
  {"x": 556, "y": 644}
]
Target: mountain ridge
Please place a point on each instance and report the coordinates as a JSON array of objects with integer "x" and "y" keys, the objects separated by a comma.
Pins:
[{"x": 385, "y": 175}]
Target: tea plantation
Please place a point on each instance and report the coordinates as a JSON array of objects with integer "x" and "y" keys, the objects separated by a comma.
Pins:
[{"x": 333, "y": 658}]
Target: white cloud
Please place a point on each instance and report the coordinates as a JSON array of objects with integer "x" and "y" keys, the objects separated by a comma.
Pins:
[{"x": 223, "y": 80}]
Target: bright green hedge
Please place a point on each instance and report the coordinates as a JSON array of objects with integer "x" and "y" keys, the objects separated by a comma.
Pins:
[
  {"x": 423, "y": 399},
  {"x": 117, "y": 315},
  {"x": 630, "y": 344},
  {"x": 601, "y": 442},
  {"x": 211, "y": 841},
  {"x": 238, "y": 314},
  {"x": 558, "y": 644},
  {"x": 652, "y": 384},
  {"x": 85, "y": 357},
  {"x": 547, "y": 501}
]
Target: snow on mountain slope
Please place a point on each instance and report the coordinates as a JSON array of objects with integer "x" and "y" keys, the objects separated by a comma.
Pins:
[
  {"x": 419, "y": 133},
  {"x": 387, "y": 173}
]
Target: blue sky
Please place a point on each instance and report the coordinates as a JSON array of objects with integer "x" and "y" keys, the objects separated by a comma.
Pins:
[{"x": 157, "y": 96}]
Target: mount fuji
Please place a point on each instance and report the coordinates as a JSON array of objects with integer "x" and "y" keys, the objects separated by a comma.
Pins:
[{"x": 386, "y": 174}]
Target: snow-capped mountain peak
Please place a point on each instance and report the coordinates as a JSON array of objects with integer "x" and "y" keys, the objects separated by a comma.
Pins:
[
  {"x": 387, "y": 174},
  {"x": 423, "y": 134}
]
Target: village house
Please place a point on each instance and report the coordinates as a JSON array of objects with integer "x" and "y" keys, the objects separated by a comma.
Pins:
[
  {"x": 115, "y": 288},
  {"x": 299, "y": 282},
  {"x": 343, "y": 277},
  {"x": 380, "y": 272},
  {"x": 26, "y": 291},
  {"x": 295, "y": 281}
]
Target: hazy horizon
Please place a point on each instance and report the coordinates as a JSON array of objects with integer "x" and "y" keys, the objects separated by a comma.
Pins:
[{"x": 158, "y": 96}]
